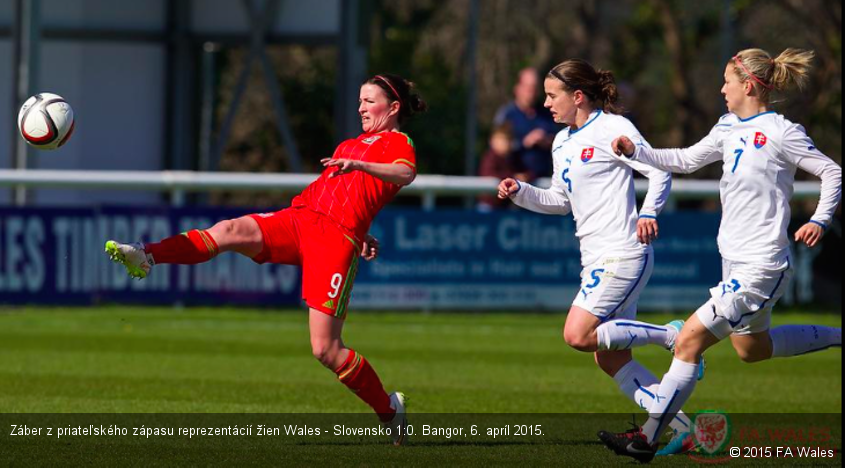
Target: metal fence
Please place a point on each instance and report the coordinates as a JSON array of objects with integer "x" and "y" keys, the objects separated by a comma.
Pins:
[{"x": 179, "y": 183}]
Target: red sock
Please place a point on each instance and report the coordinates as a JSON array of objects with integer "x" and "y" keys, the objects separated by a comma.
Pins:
[
  {"x": 188, "y": 248},
  {"x": 357, "y": 374}
]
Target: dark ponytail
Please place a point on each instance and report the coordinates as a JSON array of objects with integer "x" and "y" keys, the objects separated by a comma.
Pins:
[
  {"x": 399, "y": 89},
  {"x": 598, "y": 85},
  {"x": 610, "y": 93}
]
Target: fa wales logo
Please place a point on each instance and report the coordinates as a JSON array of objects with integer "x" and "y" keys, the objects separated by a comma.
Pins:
[{"x": 712, "y": 431}]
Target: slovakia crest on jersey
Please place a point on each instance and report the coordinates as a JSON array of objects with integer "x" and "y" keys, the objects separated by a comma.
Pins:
[
  {"x": 587, "y": 154},
  {"x": 760, "y": 140},
  {"x": 370, "y": 140}
]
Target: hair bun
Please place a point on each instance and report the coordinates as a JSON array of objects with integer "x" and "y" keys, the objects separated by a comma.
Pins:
[
  {"x": 609, "y": 91},
  {"x": 417, "y": 104}
]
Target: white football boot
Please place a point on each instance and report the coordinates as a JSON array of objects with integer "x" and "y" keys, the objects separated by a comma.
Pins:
[
  {"x": 132, "y": 256},
  {"x": 399, "y": 424}
]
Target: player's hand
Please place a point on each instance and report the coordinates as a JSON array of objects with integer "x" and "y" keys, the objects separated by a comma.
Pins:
[
  {"x": 647, "y": 230},
  {"x": 370, "y": 249},
  {"x": 623, "y": 146},
  {"x": 810, "y": 234},
  {"x": 344, "y": 166},
  {"x": 507, "y": 188}
]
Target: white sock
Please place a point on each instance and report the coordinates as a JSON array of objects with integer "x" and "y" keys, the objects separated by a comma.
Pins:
[
  {"x": 640, "y": 385},
  {"x": 626, "y": 334},
  {"x": 795, "y": 340},
  {"x": 674, "y": 391}
]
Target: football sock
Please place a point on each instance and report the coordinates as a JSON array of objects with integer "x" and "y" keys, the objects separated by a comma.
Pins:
[
  {"x": 188, "y": 248},
  {"x": 795, "y": 340},
  {"x": 673, "y": 392},
  {"x": 626, "y": 334},
  {"x": 640, "y": 385},
  {"x": 357, "y": 374}
]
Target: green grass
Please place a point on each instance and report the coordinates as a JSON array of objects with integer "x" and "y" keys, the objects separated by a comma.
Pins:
[{"x": 132, "y": 360}]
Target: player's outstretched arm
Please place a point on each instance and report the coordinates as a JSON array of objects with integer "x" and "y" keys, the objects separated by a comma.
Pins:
[
  {"x": 399, "y": 174},
  {"x": 547, "y": 201},
  {"x": 681, "y": 160}
]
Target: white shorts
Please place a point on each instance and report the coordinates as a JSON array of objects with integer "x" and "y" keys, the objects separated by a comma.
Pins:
[
  {"x": 611, "y": 287},
  {"x": 742, "y": 303}
]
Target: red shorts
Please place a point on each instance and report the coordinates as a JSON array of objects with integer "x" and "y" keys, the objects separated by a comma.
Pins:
[{"x": 327, "y": 253}]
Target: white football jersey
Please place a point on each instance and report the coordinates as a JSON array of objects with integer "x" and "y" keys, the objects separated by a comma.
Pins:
[
  {"x": 598, "y": 188},
  {"x": 759, "y": 157}
]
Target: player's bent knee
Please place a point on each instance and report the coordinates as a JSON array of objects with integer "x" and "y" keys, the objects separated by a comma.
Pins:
[
  {"x": 237, "y": 231},
  {"x": 326, "y": 352},
  {"x": 225, "y": 227},
  {"x": 687, "y": 348},
  {"x": 579, "y": 341},
  {"x": 247, "y": 231},
  {"x": 224, "y": 234}
]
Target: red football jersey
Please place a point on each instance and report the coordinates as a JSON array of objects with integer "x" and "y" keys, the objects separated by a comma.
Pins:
[{"x": 353, "y": 200}]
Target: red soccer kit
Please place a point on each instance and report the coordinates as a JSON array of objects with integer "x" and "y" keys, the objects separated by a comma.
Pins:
[{"x": 323, "y": 229}]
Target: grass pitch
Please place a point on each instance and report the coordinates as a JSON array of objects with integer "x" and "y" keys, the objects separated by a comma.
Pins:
[
  {"x": 133, "y": 360},
  {"x": 123, "y": 359}
]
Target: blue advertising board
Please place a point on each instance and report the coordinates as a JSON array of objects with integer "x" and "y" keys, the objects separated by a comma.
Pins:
[
  {"x": 515, "y": 259},
  {"x": 446, "y": 259},
  {"x": 56, "y": 257}
]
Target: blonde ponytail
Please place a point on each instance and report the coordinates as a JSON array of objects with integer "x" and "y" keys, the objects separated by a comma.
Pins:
[{"x": 791, "y": 67}]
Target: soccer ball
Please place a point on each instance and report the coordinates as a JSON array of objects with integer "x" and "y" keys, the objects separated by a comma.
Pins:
[{"x": 46, "y": 121}]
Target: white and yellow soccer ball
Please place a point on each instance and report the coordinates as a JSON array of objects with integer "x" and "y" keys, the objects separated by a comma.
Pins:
[{"x": 46, "y": 121}]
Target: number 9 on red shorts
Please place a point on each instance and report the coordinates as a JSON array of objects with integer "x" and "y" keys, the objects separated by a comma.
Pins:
[{"x": 327, "y": 253}]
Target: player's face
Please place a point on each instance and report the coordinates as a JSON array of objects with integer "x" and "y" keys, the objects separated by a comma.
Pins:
[
  {"x": 734, "y": 90},
  {"x": 377, "y": 112},
  {"x": 559, "y": 102}
]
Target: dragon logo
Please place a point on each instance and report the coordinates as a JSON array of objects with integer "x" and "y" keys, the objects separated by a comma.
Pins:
[{"x": 712, "y": 431}]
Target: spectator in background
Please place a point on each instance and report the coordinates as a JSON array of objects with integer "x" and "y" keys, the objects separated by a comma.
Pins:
[
  {"x": 532, "y": 126},
  {"x": 497, "y": 162}
]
